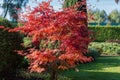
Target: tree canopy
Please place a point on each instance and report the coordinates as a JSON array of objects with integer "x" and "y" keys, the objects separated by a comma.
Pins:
[
  {"x": 114, "y": 16},
  {"x": 68, "y": 3},
  {"x": 13, "y": 7}
]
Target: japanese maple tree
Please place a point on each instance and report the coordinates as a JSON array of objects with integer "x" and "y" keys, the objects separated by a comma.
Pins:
[{"x": 59, "y": 38}]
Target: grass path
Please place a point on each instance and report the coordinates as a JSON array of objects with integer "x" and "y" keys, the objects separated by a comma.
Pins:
[{"x": 104, "y": 68}]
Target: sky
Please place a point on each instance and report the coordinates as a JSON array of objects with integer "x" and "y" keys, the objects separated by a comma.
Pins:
[
  {"x": 55, "y": 3},
  {"x": 107, "y": 5}
]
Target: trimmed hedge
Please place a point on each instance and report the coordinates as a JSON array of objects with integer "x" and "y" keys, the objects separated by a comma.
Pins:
[
  {"x": 5, "y": 22},
  {"x": 9, "y": 60},
  {"x": 102, "y": 34}
]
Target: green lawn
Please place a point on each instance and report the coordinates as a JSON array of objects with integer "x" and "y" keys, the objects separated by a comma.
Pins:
[{"x": 104, "y": 68}]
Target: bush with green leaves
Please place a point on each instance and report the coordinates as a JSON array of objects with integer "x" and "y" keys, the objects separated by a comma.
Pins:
[
  {"x": 93, "y": 52},
  {"x": 102, "y": 34},
  {"x": 27, "y": 42},
  {"x": 5, "y": 22},
  {"x": 9, "y": 42},
  {"x": 118, "y": 52},
  {"x": 106, "y": 47}
]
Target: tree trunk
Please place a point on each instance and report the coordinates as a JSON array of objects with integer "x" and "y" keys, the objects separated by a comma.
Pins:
[
  {"x": 7, "y": 7},
  {"x": 53, "y": 75},
  {"x": 53, "y": 71},
  {"x": 82, "y": 7}
]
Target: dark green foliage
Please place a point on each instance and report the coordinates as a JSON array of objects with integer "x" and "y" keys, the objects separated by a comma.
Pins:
[
  {"x": 118, "y": 52},
  {"x": 39, "y": 76},
  {"x": 80, "y": 7},
  {"x": 102, "y": 34},
  {"x": 68, "y": 3},
  {"x": 93, "y": 52},
  {"x": 4, "y": 22},
  {"x": 9, "y": 59}
]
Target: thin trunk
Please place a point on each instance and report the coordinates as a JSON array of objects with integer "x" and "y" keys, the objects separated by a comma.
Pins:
[
  {"x": 53, "y": 75},
  {"x": 7, "y": 8},
  {"x": 53, "y": 71},
  {"x": 83, "y": 8}
]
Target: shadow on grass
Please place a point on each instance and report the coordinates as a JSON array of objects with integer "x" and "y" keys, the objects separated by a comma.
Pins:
[
  {"x": 104, "y": 68},
  {"x": 89, "y": 71},
  {"x": 94, "y": 76}
]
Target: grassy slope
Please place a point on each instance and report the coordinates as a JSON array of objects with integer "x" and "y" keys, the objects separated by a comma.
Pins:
[{"x": 105, "y": 68}]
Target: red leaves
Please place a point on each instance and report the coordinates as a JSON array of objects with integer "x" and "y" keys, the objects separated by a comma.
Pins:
[
  {"x": 66, "y": 27},
  {"x": 38, "y": 58},
  {"x": 1, "y": 27}
]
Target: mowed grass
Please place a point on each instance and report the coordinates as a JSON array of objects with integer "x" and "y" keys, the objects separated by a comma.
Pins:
[{"x": 104, "y": 68}]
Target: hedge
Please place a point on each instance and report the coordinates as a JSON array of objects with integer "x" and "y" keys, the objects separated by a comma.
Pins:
[
  {"x": 102, "y": 34},
  {"x": 9, "y": 60}
]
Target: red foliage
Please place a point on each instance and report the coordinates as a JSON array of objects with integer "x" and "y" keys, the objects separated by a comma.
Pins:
[
  {"x": 1, "y": 27},
  {"x": 66, "y": 26}
]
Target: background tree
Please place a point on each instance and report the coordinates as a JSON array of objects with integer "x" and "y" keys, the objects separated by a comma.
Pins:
[
  {"x": 114, "y": 17},
  {"x": 81, "y": 6},
  {"x": 13, "y": 7},
  {"x": 97, "y": 16},
  {"x": 103, "y": 16},
  {"x": 90, "y": 16},
  {"x": 68, "y": 3}
]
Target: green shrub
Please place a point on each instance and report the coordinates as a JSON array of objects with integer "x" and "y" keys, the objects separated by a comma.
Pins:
[
  {"x": 9, "y": 60},
  {"x": 5, "y": 22},
  {"x": 93, "y": 52},
  {"x": 118, "y": 52},
  {"x": 102, "y": 34},
  {"x": 106, "y": 48},
  {"x": 27, "y": 42}
]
